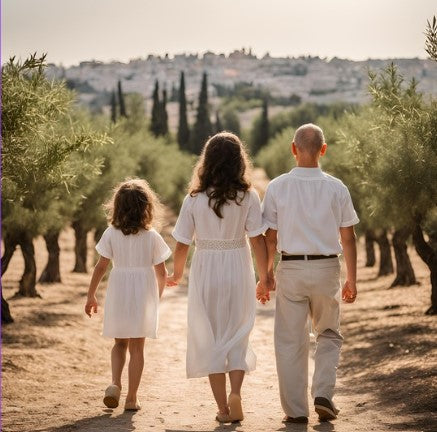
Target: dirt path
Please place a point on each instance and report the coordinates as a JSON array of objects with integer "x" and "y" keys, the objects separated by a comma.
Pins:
[{"x": 56, "y": 364}]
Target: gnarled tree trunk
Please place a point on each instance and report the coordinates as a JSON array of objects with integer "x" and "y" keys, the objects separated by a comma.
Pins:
[
  {"x": 429, "y": 256},
  {"x": 80, "y": 247},
  {"x": 386, "y": 262},
  {"x": 98, "y": 233},
  {"x": 10, "y": 244},
  {"x": 51, "y": 272},
  {"x": 6, "y": 313},
  {"x": 28, "y": 280},
  {"x": 404, "y": 270},
  {"x": 370, "y": 248}
]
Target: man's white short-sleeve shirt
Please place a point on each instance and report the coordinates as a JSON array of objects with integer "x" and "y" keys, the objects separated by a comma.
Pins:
[{"x": 307, "y": 207}]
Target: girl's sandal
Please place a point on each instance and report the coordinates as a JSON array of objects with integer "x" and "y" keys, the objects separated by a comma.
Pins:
[
  {"x": 132, "y": 406},
  {"x": 223, "y": 418},
  {"x": 236, "y": 410},
  {"x": 112, "y": 396}
]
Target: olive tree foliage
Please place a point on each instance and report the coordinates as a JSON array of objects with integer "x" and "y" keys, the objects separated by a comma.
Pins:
[
  {"x": 159, "y": 160},
  {"x": 40, "y": 139},
  {"x": 133, "y": 152},
  {"x": 397, "y": 166},
  {"x": 431, "y": 39},
  {"x": 276, "y": 157},
  {"x": 118, "y": 161},
  {"x": 403, "y": 155},
  {"x": 87, "y": 167}
]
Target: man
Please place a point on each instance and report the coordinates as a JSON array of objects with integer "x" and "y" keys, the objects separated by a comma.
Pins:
[{"x": 308, "y": 212}]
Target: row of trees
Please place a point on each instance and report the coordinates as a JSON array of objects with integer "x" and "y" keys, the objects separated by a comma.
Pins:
[
  {"x": 60, "y": 164},
  {"x": 190, "y": 139},
  {"x": 265, "y": 127},
  {"x": 386, "y": 152}
]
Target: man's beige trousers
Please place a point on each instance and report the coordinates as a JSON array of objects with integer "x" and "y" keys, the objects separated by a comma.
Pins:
[{"x": 307, "y": 288}]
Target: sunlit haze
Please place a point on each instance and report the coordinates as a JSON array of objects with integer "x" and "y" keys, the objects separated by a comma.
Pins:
[{"x": 72, "y": 31}]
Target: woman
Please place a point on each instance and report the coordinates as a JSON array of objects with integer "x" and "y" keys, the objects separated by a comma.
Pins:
[{"x": 219, "y": 211}]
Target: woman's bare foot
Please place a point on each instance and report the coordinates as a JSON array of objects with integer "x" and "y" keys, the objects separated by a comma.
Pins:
[
  {"x": 235, "y": 407},
  {"x": 132, "y": 405}
]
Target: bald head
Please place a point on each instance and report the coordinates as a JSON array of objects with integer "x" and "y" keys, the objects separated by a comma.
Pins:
[{"x": 309, "y": 138}]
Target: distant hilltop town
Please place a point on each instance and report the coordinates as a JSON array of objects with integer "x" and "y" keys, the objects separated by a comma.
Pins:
[{"x": 307, "y": 79}]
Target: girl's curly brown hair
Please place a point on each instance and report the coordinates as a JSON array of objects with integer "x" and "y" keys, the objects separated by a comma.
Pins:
[
  {"x": 133, "y": 206},
  {"x": 222, "y": 171}
]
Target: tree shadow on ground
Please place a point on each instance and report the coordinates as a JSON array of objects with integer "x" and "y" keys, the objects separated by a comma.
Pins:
[
  {"x": 25, "y": 332},
  {"x": 31, "y": 340},
  {"x": 51, "y": 319},
  {"x": 99, "y": 423},
  {"x": 400, "y": 366}
]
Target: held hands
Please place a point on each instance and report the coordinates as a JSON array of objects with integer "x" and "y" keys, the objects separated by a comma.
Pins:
[
  {"x": 262, "y": 292},
  {"x": 349, "y": 293},
  {"x": 172, "y": 280},
  {"x": 91, "y": 305},
  {"x": 263, "y": 289}
]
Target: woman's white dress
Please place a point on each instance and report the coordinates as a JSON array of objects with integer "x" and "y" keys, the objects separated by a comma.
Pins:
[
  {"x": 132, "y": 297},
  {"x": 221, "y": 291}
]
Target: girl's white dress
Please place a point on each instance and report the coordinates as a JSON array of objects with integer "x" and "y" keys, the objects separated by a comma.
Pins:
[
  {"x": 132, "y": 297},
  {"x": 221, "y": 290}
]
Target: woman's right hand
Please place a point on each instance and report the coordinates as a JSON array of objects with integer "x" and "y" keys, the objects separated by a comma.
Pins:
[
  {"x": 172, "y": 281},
  {"x": 262, "y": 292}
]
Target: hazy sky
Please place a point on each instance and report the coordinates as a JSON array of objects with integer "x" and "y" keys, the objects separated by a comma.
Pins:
[{"x": 75, "y": 30}]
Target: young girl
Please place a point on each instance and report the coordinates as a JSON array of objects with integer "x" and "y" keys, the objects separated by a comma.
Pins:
[
  {"x": 135, "y": 284},
  {"x": 220, "y": 210}
]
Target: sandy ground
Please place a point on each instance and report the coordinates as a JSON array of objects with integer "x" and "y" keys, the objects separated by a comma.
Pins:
[{"x": 56, "y": 364}]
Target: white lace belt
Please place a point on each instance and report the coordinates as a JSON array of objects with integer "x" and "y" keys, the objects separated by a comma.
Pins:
[{"x": 221, "y": 244}]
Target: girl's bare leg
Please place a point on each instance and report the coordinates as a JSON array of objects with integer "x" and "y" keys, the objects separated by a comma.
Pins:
[
  {"x": 218, "y": 386},
  {"x": 136, "y": 365},
  {"x": 236, "y": 377},
  {"x": 118, "y": 359}
]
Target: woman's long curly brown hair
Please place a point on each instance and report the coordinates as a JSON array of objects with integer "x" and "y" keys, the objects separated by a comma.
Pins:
[
  {"x": 222, "y": 171},
  {"x": 133, "y": 206}
]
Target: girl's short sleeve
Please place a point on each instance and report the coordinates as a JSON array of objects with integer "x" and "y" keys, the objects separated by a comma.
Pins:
[
  {"x": 184, "y": 229},
  {"x": 104, "y": 247},
  {"x": 254, "y": 222},
  {"x": 161, "y": 251}
]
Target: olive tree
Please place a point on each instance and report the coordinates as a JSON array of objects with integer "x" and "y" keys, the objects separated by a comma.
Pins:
[
  {"x": 397, "y": 170},
  {"x": 38, "y": 141}
]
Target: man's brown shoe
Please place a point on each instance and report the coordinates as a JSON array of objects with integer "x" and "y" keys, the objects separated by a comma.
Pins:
[
  {"x": 325, "y": 409},
  {"x": 288, "y": 419}
]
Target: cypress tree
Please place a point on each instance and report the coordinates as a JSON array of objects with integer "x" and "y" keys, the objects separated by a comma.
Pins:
[
  {"x": 121, "y": 101},
  {"x": 164, "y": 115},
  {"x": 218, "y": 123},
  {"x": 183, "y": 130},
  {"x": 261, "y": 131},
  {"x": 113, "y": 107},
  {"x": 202, "y": 128},
  {"x": 155, "y": 124},
  {"x": 174, "y": 93}
]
